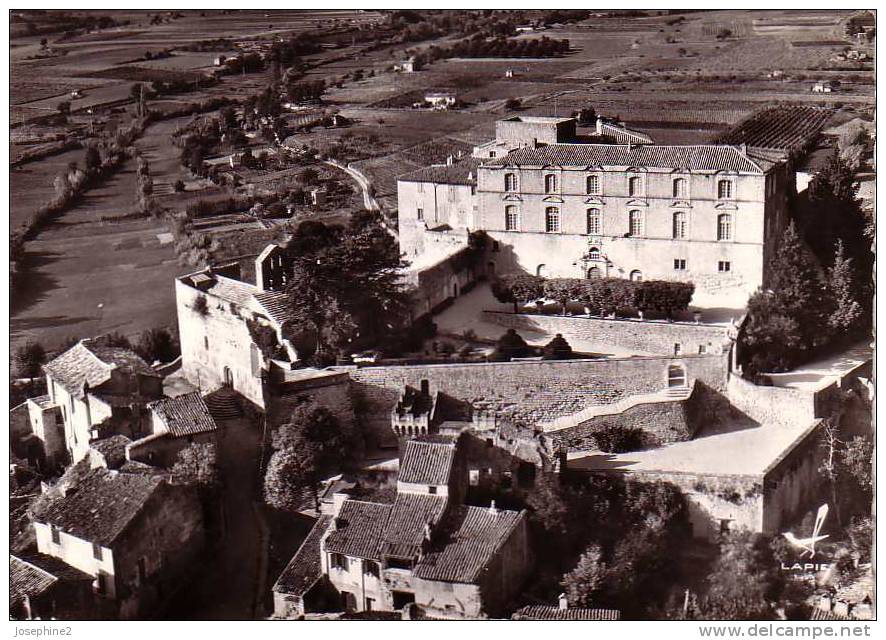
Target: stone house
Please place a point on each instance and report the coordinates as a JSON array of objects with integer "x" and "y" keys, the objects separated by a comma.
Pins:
[
  {"x": 564, "y": 612},
  {"x": 45, "y": 588},
  {"x": 135, "y": 534},
  {"x": 426, "y": 549},
  {"x": 176, "y": 423},
  {"x": 100, "y": 391}
]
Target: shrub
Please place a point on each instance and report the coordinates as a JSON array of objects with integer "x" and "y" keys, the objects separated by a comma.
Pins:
[
  {"x": 557, "y": 349},
  {"x": 664, "y": 297},
  {"x": 201, "y": 307},
  {"x": 511, "y": 345},
  {"x": 563, "y": 290},
  {"x": 518, "y": 288},
  {"x": 617, "y": 439},
  {"x": 178, "y": 186}
]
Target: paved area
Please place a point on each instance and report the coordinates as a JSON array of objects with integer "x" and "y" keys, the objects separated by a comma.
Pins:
[
  {"x": 823, "y": 371},
  {"x": 742, "y": 450}
]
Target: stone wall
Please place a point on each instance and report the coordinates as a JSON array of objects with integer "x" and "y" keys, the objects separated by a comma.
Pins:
[
  {"x": 646, "y": 337},
  {"x": 771, "y": 405},
  {"x": 528, "y": 392},
  {"x": 661, "y": 422}
]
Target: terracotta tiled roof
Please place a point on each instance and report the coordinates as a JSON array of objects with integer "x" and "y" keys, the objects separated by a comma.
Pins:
[
  {"x": 698, "y": 157},
  {"x": 821, "y": 614},
  {"x": 427, "y": 462},
  {"x": 470, "y": 538},
  {"x": 275, "y": 305},
  {"x": 304, "y": 570},
  {"x": 184, "y": 415},
  {"x": 462, "y": 172},
  {"x": 623, "y": 135},
  {"x": 34, "y": 574},
  {"x": 230, "y": 290},
  {"x": 405, "y": 529},
  {"x": 543, "y": 612},
  {"x": 358, "y": 529},
  {"x": 101, "y": 506},
  {"x": 90, "y": 362}
]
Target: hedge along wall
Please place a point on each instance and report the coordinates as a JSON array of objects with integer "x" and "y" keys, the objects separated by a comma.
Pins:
[
  {"x": 644, "y": 337},
  {"x": 532, "y": 391}
]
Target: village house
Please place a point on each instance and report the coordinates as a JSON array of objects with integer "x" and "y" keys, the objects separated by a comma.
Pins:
[
  {"x": 564, "y": 612},
  {"x": 176, "y": 423},
  {"x": 100, "y": 391},
  {"x": 427, "y": 549},
  {"x": 45, "y": 588},
  {"x": 136, "y": 535}
]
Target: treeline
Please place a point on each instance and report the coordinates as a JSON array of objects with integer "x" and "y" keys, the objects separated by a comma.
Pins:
[
  {"x": 480, "y": 47},
  {"x": 607, "y": 295}
]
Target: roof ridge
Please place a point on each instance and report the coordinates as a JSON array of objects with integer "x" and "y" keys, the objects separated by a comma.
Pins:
[{"x": 34, "y": 566}]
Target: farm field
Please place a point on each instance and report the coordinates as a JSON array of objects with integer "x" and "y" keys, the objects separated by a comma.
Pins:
[{"x": 30, "y": 186}]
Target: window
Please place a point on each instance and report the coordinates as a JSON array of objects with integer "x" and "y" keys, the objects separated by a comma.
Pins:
[
  {"x": 421, "y": 187},
  {"x": 512, "y": 218},
  {"x": 702, "y": 349},
  {"x": 432, "y": 490},
  {"x": 510, "y": 182},
  {"x": 594, "y": 253},
  {"x": 56, "y": 534},
  {"x": 594, "y": 273},
  {"x": 550, "y": 183},
  {"x": 370, "y": 568},
  {"x": 593, "y": 185},
  {"x": 724, "y": 189},
  {"x": 679, "y": 264},
  {"x": 142, "y": 570},
  {"x": 724, "y": 266},
  {"x": 96, "y": 551},
  {"x": 495, "y": 246},
  {"x": 594, "y": 222},
  {"x": 338, "y": 561},
  {"x": 452, "y": 193},
  {"x": 206, "y": 342},
  {"x": 474, "y": 477},
  {"x": 635, "y": 186},
  {"x": 101, "y": 583},
  {"x": 369, "y": 604},
  {"x": 637, "y": 275},
  {"x": 635, "y": 224},
  {"x": 724, "y": 227},
  {"x": 420, "y": 213},
  {"x": 680, "y": 189},
  {"x": 678, "y": 348},
  {"x": 492, "y": 154},
  {"x": 679, "y": 225},
  {"x": 552, "y": 220}
]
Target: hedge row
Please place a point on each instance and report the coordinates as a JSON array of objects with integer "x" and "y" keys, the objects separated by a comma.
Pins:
[{"x": 606, "y": 295}]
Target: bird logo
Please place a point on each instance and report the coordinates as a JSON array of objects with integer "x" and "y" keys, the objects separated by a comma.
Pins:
[{"x": 808, "y": 544}]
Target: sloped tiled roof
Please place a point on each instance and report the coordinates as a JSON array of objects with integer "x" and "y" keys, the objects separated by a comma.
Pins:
[
  {"x": 696, "y": 157},
  {"x": 405, "y": 529},
  {"x": 113, "y": 449},
  {"x": 544, "y": 612},
  {"x": 358, "y": 529},
  {"x": 44, "y": 402},
  {"x": 184, "y": 415},
  {"x": 304, "y": 569},
  {"x": 427, "y": 462},
  {"x": 101, "y": 506},
  {"x": 90, "y": 362},
  {"x": 623, "y": 135},
  {"x": 34, "y": 574},
  {"x": 230, "y": 290},
  {"x": 471, "y": 537},
  {"x": 463, "y": 172},
  {"x": 275, "y": 305}
]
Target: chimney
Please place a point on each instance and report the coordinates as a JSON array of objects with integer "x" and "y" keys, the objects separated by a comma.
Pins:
[
  {"x": 744, "y": 148},
  {"x": 338, "y": 499},
  {"x": 450, "y": 159},
  {"x": 563, "y": 602},
  {"x": 492, "y": 508},
  {"x": 599, "y": 125},
  {"x": 428, "y": 531}
]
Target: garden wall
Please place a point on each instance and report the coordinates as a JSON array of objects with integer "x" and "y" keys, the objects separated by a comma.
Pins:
[
  {"x": 527, "y": 392},
  {"x": 643, "y": 337}
]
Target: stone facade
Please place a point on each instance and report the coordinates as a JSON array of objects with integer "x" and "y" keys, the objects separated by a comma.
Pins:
[
  {"x": 641, "y": 337},
  {"x": 425, "y": 206}
]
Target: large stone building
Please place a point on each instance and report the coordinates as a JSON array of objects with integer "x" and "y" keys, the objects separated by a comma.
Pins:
[
  {"x": 561, "y": 205},
  {"x": 426, "y": 549}
]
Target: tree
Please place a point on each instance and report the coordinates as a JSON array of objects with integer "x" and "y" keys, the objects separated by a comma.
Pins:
[
  {"x": 64, "y": 107},
  {"x": 847, "y": 314},
  {"x": 197, "y": 465},
  {"x": 557, "y": 349},
  {"x": 829, "y": 467},
  {"x": 563, "y": 290},
  {"x": 29, "y": 359},
  {"x": 93, "y": 159},
  {"x": 583, "y": 583},
  {"x": 157, "y": 345},
  {"x": 517, "y": 289}
]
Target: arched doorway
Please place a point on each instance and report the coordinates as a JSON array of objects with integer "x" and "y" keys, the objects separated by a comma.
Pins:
[
  {"x": 595, "y": 273},
  {"x": 229, "y": 377},
  {"x": 540, "y": 270},
  {"x": 676, "y": 376},
  {"x": 637, "y": 275}
]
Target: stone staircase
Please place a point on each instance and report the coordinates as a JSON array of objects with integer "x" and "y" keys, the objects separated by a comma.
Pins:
[
  {"x": 673, "y": 394},
  {"x": 224, "y": 405}
]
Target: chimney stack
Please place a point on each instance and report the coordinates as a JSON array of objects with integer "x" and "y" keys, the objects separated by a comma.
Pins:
[
  {"x": 492, "y": 508},
  {"x": 563, "y": 602},
  {"x": 599, "y": 125},
  {"x": 450, "y": 159}
]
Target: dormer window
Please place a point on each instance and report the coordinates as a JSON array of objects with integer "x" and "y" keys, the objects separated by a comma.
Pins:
[
  {"x": 550, "y": 183},
  {"x": 724, "y": 190},
  {"x": 432, "y": 489}
]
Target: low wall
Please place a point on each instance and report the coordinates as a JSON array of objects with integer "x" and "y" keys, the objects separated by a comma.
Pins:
[
  {"x": 771, "y": 405},
  {"x": 528, "y": 392},
  {"x": 647, "y": 337}
]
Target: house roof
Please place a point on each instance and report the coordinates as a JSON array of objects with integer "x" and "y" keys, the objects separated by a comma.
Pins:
[
  {"x": 304, "y": 569},
  {"x": 101, "y": 506},
  {"x": 358, "y": 529},
  {"x": 32, "y": 575},
  {"x": 405, "y": 530},
  {"x": 623, "y": 135},
  {"x": 184, "y": 415},
  {"x": 113, "y": 449},
  {"x": 276, "y": 306},
  {"x": 470, "y": 536},
  {"x": 90, "y": 362},
  {"x": 427, "y": 462},
  {"x": 44, "y": 402},
  {"x": 694, "y": 157},
  {"x": 544, "y": 612},
  {"x": 231, "y": 290},
  {"x": 463, "y": 172}
]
